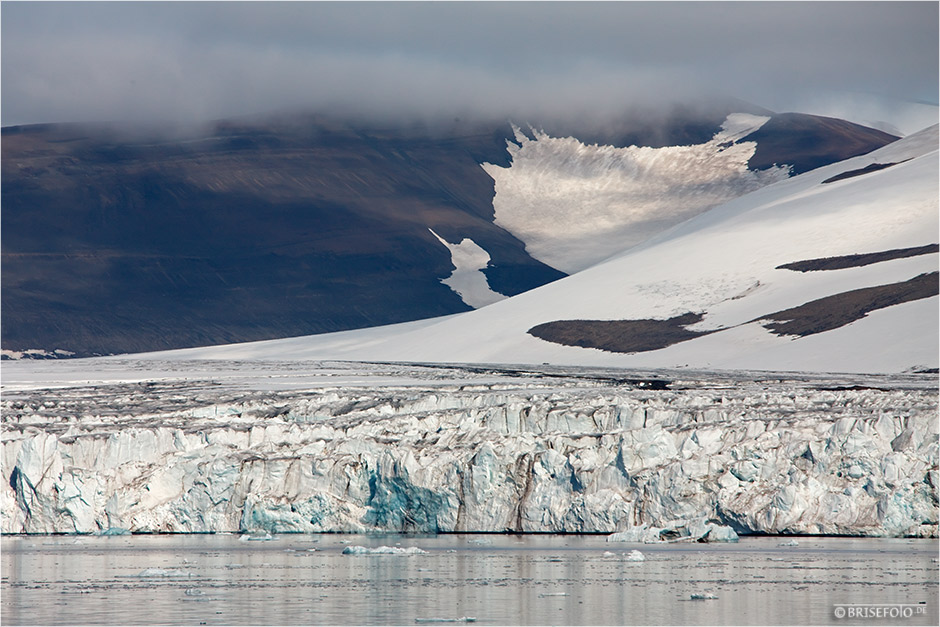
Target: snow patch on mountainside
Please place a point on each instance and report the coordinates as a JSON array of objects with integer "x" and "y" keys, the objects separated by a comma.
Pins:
[
  {"x": 575, "y": 205},
  {"x": 467, "y": 279}
]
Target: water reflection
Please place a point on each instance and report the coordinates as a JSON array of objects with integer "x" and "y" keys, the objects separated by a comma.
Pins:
[{"x": 576, "y": 580}]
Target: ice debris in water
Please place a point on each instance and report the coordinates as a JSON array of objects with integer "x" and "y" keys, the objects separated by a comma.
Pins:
[
  {"x": 790, "y": 543},
  {"x": 462, "y": 619},
  {"x": 636, "y": 556},
  {"x": 696, "y": 530},
  {"x": 159, "y": 572},
  {"x": 702, "y": 596},
  {"x": 256, "y": 538},
  {"x": 553, "y": 594},
  {"x": 382, "y": 550},
  {"x": 194, "y": 592},
  {"x": 609, "y": 554}
]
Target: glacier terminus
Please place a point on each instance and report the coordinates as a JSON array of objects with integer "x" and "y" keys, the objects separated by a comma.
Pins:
[{"x": 292, "y": 446}]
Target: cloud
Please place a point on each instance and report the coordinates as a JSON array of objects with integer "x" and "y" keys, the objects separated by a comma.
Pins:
[{"x": 185, "y": 61}]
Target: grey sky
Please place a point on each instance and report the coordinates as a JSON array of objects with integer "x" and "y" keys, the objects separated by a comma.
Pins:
[{"x": 191, "y": 61}]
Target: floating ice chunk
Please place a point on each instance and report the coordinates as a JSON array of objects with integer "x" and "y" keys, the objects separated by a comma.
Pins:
[
  {"x": 483, "y": 541},
  {"x": 609, "y": 554},
  {"x": 194, "y": 592},
  {"x": 642, "y": 533},
  {"x": 636, "y": 556},
  {"x": 159, "y": 572},
  {"x": 696, "y": 530},
  {"x": 382, "y": 550},
  {"x": 553, "y": 594},
  {"x": 462, "y": 619},
  {"x": 790, "y": 543},
  {"x": 253, "y": 538},
  {"x": 702, "y": 596}
]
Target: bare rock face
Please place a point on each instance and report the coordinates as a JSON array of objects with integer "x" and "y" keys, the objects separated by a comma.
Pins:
[{"x": 495, "y": 454}]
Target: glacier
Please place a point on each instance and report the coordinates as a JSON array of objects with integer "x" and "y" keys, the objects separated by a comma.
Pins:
[
  {"x": 575, "y": 205},
  {"x": 301, "y": 447}
]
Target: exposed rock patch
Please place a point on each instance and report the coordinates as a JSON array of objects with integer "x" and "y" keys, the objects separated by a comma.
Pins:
[
  {"x": 838, "y": 310},
  {"x": 858, "y": 260},
  {"x": 860, "y": 171},
  {"x": 620, "y": 336}
]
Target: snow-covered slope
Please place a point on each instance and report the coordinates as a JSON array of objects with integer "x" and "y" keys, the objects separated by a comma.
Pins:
[
  {"x": 722, "y": 264},
  {"x": 575, "y": 205}
]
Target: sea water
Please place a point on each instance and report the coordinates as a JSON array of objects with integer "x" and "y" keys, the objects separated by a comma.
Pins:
[{"x": 478, "y": 579}]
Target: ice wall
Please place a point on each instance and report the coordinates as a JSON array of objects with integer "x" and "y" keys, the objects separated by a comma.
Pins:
[{"x": 553, "y": 457}]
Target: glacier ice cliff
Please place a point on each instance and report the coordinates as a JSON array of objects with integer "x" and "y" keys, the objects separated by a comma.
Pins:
[{"x": 439, "y": 450}]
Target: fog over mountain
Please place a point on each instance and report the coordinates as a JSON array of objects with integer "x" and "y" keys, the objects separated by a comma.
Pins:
[{"x": 191, "y": 61}]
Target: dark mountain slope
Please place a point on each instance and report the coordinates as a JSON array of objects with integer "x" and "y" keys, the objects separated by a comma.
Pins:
[
  {"x": 807, "y": 142},
  {"x": 281, "y": 226},
  {"x": 250, "y": 232}
]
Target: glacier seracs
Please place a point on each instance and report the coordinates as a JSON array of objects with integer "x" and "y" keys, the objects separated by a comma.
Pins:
[{"x": 461, "y": 450}]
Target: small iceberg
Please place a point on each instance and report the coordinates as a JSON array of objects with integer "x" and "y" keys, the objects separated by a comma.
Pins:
[
  {"x": 790, "y": 543},
  {"x": 636, "y": 556},
  {"x": 694, "y": 530},
  {"x": 462, "y": 619},
  {"x": 641, "y": 533},
  {"x": 256, "y": 538},
  {"x": 553, "y": 594},
  {"x": 158, "y": 572},
  {"x": 382, "y": 550},
  {"x": 702, "y": 596}
]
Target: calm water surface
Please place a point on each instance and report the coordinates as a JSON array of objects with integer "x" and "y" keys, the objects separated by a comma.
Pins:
[{"x": 504, "y": 580}]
